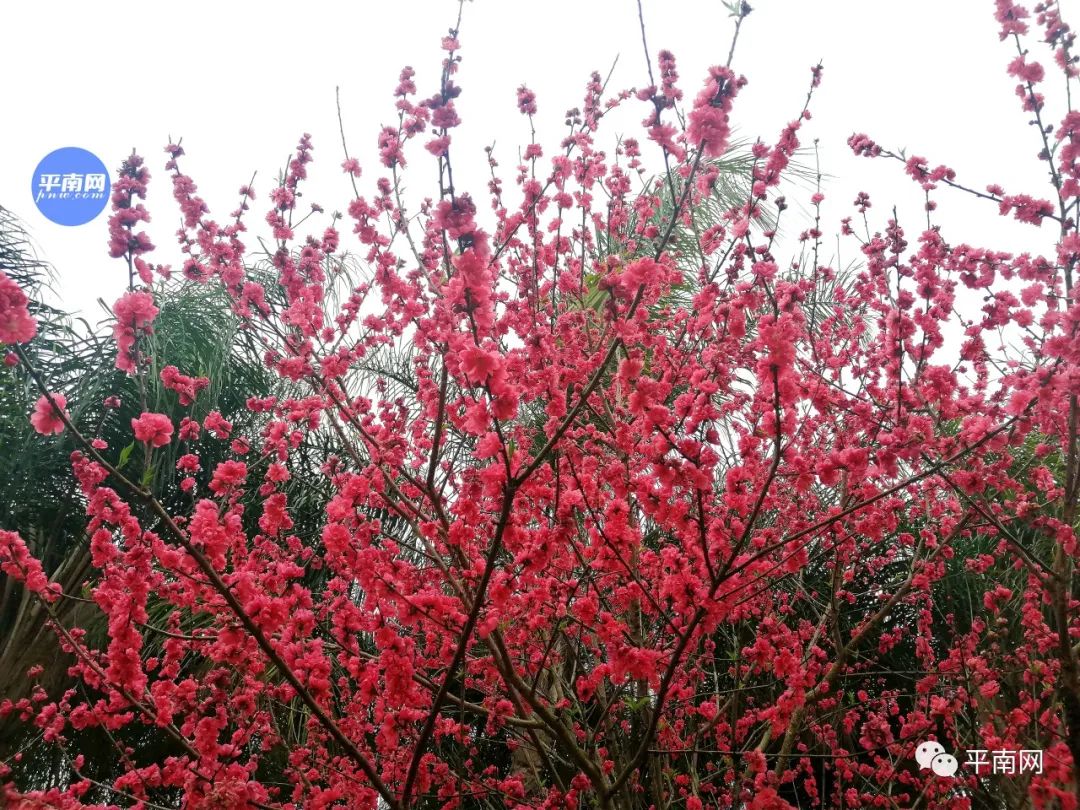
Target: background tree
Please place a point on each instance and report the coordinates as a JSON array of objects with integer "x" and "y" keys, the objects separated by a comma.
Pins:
[{"x": 39, "y": 498}]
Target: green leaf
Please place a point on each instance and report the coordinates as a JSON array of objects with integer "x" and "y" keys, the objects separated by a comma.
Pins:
[
  {"x": 125, "y": 456},
  {"x": 147, "y": 477}
]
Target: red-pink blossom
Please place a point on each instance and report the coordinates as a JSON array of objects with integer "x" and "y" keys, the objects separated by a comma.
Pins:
[
  {"x": 154, "y": 429},
  {"x": 708, "y": 124},
  {"x": 526, "y": 101},
  {"x": 16, "y": 323},
  {"x": 17, "y": 562},
  {"x": 217, "y": 425},
  {"x": 135, "y": 313},
  {"x": 46, "y": 419},
  {"x": 227, "y": 476},
  {"x": 187, "y": 388}
]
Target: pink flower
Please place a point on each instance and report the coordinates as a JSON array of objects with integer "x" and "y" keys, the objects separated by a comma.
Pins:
[
  {"x": 45, "y": 418},
  {"x": 478, "y": 364},
  {"x": 664, "y": 135},
  {"x": 526, "y": 101},
  {"x": 641, "y": 271},
  {"x": 189, "y": 462},
  {"x": 668, "y": 76},
  {"x": 218, "y": 425},
  {"x": 861, "y": 144},
  {"x": 123, "y": 241},
  {"x": 390, "y": 148},
  {"x": 439, "y": 147},
  {"x": 445, "y": 116},
  {"x": 709, "y": 127},
  {"x": 1025, "y": 208},
  {"x": 456, "y": 217},
  {"x": 1011, "y": 17},
  {"x": 187, "y": 387},
  {"x": 708, "y": 124},
  {"x": 18, "y": 563},
  {"x": 155, "y": 429},
  {"x": 134, "y": 311},
  {"x": 189, "y": 429},
  {"x": 16, "y": 323},
  {"x": 406, "y": 86},
  {"x": 1030, "y": 72},
  {"x": 228, "y": 475}
]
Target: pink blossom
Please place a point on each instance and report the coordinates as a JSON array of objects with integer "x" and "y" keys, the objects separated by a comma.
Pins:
[
  {"x": 405, "y": 87},
  {"x": 189, "y": 429},
  {"x": 135, "y": 312},
  {"x": 1025, "y": 208},
  {"x": 668, "y": 76},
  {"x": 457, "y": 217},
  {"x": 17, "y": 562},
  {"x": 186, "y": 387},
  {"x": 439, "y": 147},
  {"x": 16, "y": 323},
  {"x": 217, "y": 425},
  {"x": 664, "y": 135},
  {"x": 1030, "y": 72},
  {"x": 478, "y": 364},
  {"x": 1011, "y": 17},
  {"x": 45, "y": 418},
  {"x": 862, "y": 145},
  {"x": 131, "y": 184},
  {"x": 189, "y": 462},
  {"x": 228, "y": 475},
  {"x": 708, "y": 125},
  {"x": 153, "y": 429},
  {"x": 390, "y": 149},
  {"x": 526, "y": 101}
]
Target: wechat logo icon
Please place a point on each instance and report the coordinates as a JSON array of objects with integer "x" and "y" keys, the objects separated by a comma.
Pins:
[{"x": 931, "y": 755}]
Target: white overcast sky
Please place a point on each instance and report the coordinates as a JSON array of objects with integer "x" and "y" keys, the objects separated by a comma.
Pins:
[{"x": 241, "y": 81}]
